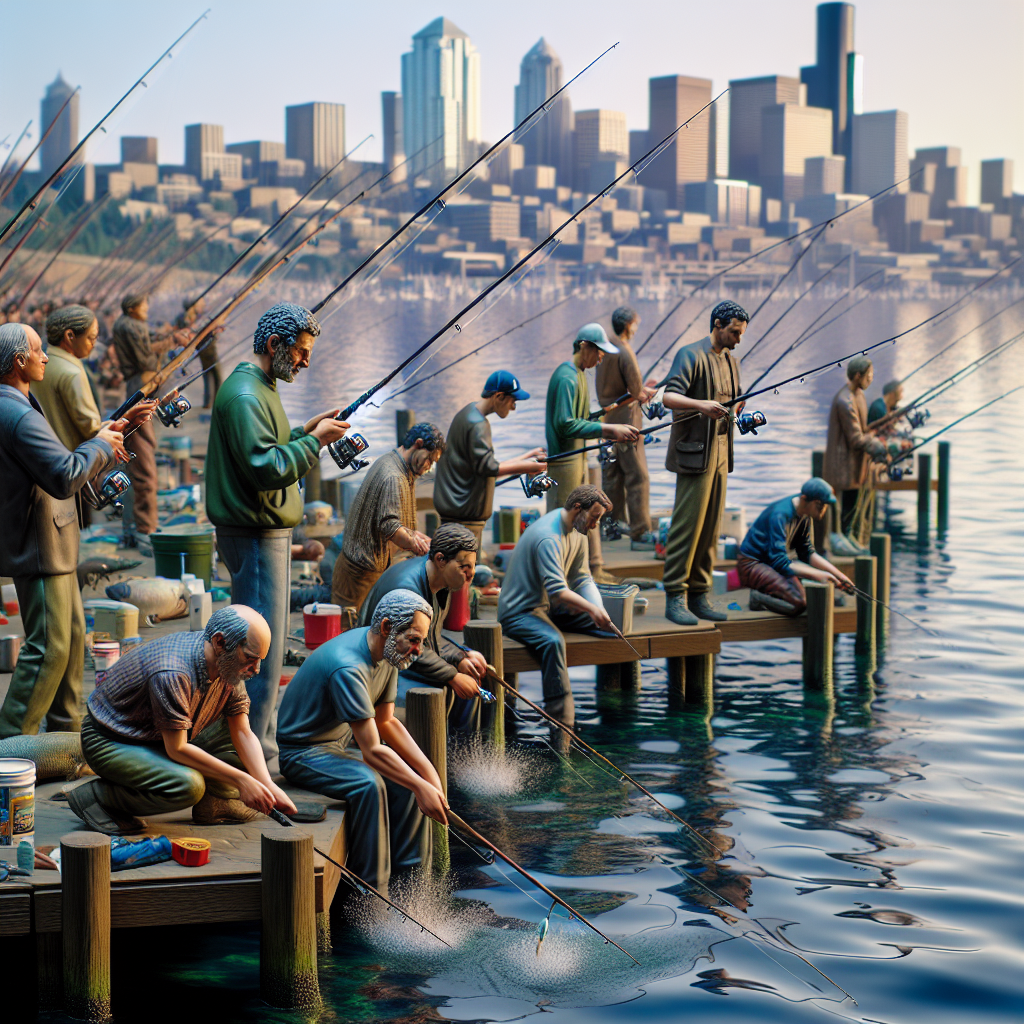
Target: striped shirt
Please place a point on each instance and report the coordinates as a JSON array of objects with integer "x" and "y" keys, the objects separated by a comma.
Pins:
[
  {"x": 385, "y": 503},
  {"x": 164, "y": 684}
]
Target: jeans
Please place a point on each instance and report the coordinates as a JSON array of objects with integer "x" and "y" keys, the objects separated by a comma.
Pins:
[
  {"x": 383, "y": 824},
  {"x": 260, "y": 565}
]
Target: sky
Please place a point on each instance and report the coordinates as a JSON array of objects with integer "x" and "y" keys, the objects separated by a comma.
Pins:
[{"x": 956, "y": 67}]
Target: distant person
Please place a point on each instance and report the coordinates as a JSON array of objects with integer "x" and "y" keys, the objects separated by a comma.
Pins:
[{"x": 892, "y": 395}]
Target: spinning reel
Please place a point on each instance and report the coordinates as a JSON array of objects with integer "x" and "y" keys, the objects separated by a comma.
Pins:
[
  {"x": 610, "y": 529},
  {"x": 536, "y": 486},
  {"x": 606, "y": 454},
  {"x": 748, "y": 422},
  {"x": 898, "y": 472},
  {"x": 170, "y": 412},
  {"x": 113, "y": 486},
  {"x": 655, "y": 411},
  {"x": 345, "y": 451},
  {"x": 916, "y": 418}
]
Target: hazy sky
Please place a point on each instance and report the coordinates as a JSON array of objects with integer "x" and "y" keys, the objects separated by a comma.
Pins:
[{"x": 955, "y": 65}]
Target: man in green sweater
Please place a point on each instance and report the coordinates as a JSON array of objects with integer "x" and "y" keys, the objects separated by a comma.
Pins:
[
  {"x": 568, "y": 426},
  {"x": 254, "y": 463}
]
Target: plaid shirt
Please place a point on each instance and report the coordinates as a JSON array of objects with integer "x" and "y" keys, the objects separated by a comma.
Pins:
[{"x": 162, "y": 685}]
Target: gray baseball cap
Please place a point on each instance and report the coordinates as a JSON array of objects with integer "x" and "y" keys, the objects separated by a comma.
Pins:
[
  {"x": 817, "y": 489},
  {"x": 595, "y": 334}
]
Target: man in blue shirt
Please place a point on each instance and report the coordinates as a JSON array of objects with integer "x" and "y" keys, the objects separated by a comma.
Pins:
[{"x": 764, "y": 563}]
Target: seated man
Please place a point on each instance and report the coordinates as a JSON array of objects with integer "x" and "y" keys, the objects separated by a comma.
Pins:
[
  {"x": 764, "y": 563},
  {"x": 548, "y": 589},
  {"x": 346, "y": 689},
  {"x": 445, "y": 569},
  {"x": 168, "y": 727},
  {"x": 892, "y": 395}
]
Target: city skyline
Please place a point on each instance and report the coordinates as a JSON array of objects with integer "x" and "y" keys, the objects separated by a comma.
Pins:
[{"x": 993, "y": 128}]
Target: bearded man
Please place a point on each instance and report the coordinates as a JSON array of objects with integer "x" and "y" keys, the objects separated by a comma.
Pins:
[{"x": 254, "y": 462}]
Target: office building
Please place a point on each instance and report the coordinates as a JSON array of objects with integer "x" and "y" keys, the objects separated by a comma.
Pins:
[
  {"x": 736, "y": 203},
  {"x": 63, "y": 136},
  {"x": 549, "y": 140},
  {"x": 600, "y": 136},
  {"x": 138, "y": 149},
  {"x": 205, "y": 157},
  {"x": 394, "y": 141},
  {"x": 718, "y": 139},
  {"x": 748, "y": 98},
  {"x": 441, "y": 100},
  {"x": 824, "y": 175},
  {"x": 997, "y": 183},
  {"x": 790, "y": 134},
  {"x": 937, "y": 170},
  {"x": 255, "y": 155},
  {"x": 315, "y": 133},
  {"x": 674, "y": 99},
  {"x": 879, "y": 151}
]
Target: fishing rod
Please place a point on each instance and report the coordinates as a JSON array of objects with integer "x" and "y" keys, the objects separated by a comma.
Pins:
[
  {"x": 453, "y": 818},
  {"x": 33, "y": 200},
  {"x": 126, "y": 279},
  {"x": 354, "y": 880},
  {"x": 453, "y": 322},
  {"x": 6, "y": 187},
  {"x": 101, "y": 270},
  {"x": 439, "y": 197},
  {"x": 153, "y": 285},
  {"x": 14, "y": 179},
  {"x": 25, "y": 236}
]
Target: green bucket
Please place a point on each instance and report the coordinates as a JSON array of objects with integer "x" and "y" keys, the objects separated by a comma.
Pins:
[{"x": 194, "y": 541}]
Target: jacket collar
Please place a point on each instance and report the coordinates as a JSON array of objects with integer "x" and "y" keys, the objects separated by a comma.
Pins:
[
  {"x": 62, "y": 354},
  {"x": 254, "y": 371},
  {"x": 12, "y": 393}
]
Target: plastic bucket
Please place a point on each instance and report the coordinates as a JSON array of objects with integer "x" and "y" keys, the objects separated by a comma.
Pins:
[
  {"x": 322, "y": 622},
  {"x": 194, "y": 541},
  {"x": 18, "y": 810},
  {"x": 105, "y": 655}
]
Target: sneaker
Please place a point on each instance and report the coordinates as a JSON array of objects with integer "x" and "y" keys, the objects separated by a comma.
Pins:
[
  {"x": 677, "y": 612},
  {"x": 216, "y": 810},
  {"x": 85, "y": 803},
  {"x": 703, "y": 609}
]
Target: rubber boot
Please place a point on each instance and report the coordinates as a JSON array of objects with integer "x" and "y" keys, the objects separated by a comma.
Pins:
[{"x": 761, "y": 602}]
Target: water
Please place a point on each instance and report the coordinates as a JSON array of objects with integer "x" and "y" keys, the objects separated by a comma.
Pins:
[{"x": 878, "y": 834}]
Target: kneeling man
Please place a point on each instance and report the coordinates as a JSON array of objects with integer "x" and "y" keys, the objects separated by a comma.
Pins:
[
  {"x": 346, "y": 690},
  {"x": 764, "y": 563},
  {"x": 168, "y": 727}
]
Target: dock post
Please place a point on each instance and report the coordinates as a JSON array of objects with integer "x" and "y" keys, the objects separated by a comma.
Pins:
[
  {"x": 50, "y": 970},
  {"x": 699, "y": 674},
  {"x": 942, "y": 505},
  {"x": 330, "y": 491},
  {"x": 405, "y": 420},
  {"x": 85, "y": 924},
  {"x": 820, "y": 530},
  {"x": 817, "y": 654},
  {"x": 288, "y": 975},
  {"x": 924, "y": 494},
  {"x": 881, "y": 548},
  {"x": 427, "y": 723},
  {"x": 619, "y": 676},
  {"x": 676, "y": 668},
  {"x": 485, "y": 636},
  {"x": 864, "y": 576}
]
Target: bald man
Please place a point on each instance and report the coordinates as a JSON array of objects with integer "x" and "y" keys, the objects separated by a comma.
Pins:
[{"x": 168, "y": 727}]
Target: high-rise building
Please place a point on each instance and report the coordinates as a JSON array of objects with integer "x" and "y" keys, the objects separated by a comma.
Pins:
[
  {"x": 441, "y": 100},
  {"x": 790, "y": 134},
  {"x": 824, "y": 175},
  {"x": 255, "y": 155},
  {"x": 674, "y": 99},
  {"x": 737, "y": 203},
  {"x": 315, "y": 133},
  {"x": 835, "y": 80},
  {"x": 549, "y": 141},
  {"x": 205, "y": 157},
  {"x": 997, "y": 183},
  {"x": 748, "y": 97},
  {"x": 64, "y": 135},
  {"x": 879, "y": 146},
  {"x": 394, "y": 141},
  {"x": 937, "y": 170},
  {"x": 138, "y": 149},
  {"x": 601, "y": 137}
]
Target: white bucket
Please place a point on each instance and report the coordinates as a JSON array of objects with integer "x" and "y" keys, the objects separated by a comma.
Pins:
[
  {"x": 18, "y": 809},
  {"x": 105, "y": 654}
]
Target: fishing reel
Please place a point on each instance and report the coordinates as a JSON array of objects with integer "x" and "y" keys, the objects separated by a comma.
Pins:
[
  {"x": 113, "y": 486},
  {"x": 916, "y": 418},
  {"x": 170, "y": 412},
  {"x": 655, "y": 411},
  {"x": 486, "y": 696},
  {"x": 898, "y": 472},
  {"x": 748, "y": 422},
  {"x": 610, "y": 529},
  {"x": 345, "y": 450},
  {"x": 606, "y": 454},
  {"x": 536, "y": 486}
]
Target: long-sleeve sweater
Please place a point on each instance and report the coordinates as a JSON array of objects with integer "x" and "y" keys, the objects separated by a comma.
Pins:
[
  {"x": 568, "y": 408},
  {"x": 777, "y": 531}
]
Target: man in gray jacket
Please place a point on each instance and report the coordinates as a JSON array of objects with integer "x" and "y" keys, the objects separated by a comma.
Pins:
[{"x": 39, "y": 526}]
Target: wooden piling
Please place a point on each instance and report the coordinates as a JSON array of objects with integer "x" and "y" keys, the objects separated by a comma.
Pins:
[
  {"x": 676, "y": 669},
  {"x": 864, "y": 576},
  {"x": 288, "y": 938},
  {"x": 924, "y": 491},
  {"x": 699, "y": 675},
  {"x": 619, "y": 676},
  {"x": 330, "y": 491},
  {"x": 881, "y": 548},
  {"x": 820, "y": 530},
  {"x": 942, "y": 504},
  {"x": 817, "y": 653},
  {"x": 85, "y": 924},
  {"x": 485, "y": 636},
  {"x": 427, "y": 723},
  {"x": 405, "y": 420}
]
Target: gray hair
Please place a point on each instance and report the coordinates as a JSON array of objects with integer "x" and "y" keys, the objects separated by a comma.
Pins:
[
  {"x": 231, "y": 626},
  {"x": 398, "y": 607},
  {"x": 856, "y": 366},
  {"x": 890, "y": 386},
  {"x": 69, "y": 318},
  {"x": 286, "y": 320},
  {"x": 13, "y": 342}
]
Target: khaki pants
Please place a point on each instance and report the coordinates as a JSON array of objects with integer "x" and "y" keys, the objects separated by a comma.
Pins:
[
  {"x": 142, "y": 471},
  {"x": 696, "y": 519},
  {"x": 627, "y": 482},
  {"x": 569, "y": 474},
  {"x": 350, "y": 583}
]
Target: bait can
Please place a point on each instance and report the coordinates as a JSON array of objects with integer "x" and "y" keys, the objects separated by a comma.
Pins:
[
  {"x": 105, "y": 654},
  {"x": 17, "y": 801}
]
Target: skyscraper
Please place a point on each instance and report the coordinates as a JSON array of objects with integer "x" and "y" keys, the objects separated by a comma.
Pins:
[
  {"x": 997, "y": 183},
  {"x": 441, "y": 99},
  {"x": 205, "y": 156},
  {"x": 789, "y": 135},
  {"x": 880, "y": 157},
  {"x": 391, "y": 118},
  {"x": 601, "y": 137},
  {"x": 937, "y": 170},
  {"x": 672, "y": 100},
  {"x": 748, "y": 97},
  {"x": 138, "y": 149},
  {"x": 548, "y": 142},
  {"x": 64, "y": 136},
  {"x": 315, "y": 133}
]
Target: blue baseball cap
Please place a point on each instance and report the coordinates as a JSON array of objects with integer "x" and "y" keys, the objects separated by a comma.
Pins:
[
  {"x": 504, "y": 383},
  {"x": 817, "y": 489}
]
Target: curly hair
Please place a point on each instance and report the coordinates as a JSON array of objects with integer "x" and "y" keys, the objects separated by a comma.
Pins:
[
  {"x": 586, "y": 495},
  {"x": 399, "y": 607},
  {"x": 287, "y": 321},
  {"x": 431, "y": 436},
  {"x": 727, "y": 311}
]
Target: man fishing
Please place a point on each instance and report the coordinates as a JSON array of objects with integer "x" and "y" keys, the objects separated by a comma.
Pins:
[
  {"x": 548, "y": 589},
  {"x": 254, "y": 462},
  {"x": 892, "y": 395},
  {"x": 764, "y": 563},
  {"x": 383, "y": 514},
  {"x": 345, "y": 691},
  {"x": 466, "y": 471},
  {"x": 704, "y": 375}
]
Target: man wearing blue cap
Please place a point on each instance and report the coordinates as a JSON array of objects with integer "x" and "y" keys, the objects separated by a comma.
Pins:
[
  {"x": 568, "y": 426},
  {"x": 764, "y": 563},
  {"x": 466, "y": 471}
]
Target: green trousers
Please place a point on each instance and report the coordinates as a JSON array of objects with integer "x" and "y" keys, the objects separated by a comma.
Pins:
[
  {"x": 696, "y": 520},
  {"x": 140, "y": 779},
  {"x": 47, "y": 681},
  {"x": 569, "y": 474}
]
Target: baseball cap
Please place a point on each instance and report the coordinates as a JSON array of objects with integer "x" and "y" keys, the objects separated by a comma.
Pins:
[
  {"x": 503, "y": 382},
  {"x": 594, "y": 333},
  {"x": 817, "y": 489}
]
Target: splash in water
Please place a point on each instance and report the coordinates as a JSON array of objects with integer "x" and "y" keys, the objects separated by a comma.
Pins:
[{"x": 485, "y": 771}]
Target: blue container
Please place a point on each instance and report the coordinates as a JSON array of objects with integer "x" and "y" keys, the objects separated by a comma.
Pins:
[{"x": 127, "y": 852}]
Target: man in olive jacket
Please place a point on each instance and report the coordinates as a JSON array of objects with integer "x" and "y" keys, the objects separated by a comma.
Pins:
[{"x": 254, "y": 463}]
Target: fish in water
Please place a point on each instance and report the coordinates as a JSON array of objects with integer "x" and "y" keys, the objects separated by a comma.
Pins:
[
  {"x": 542, "y": 933},
  {"x": 156, "y": 598},
  {"x": 92, "y": 570}
]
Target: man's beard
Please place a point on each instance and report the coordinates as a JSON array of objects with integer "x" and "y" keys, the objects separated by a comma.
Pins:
[
  {"x": 393, "y": 656},
  {"x": 283, "y": 367},
  {"x": 579, "y": 524},
  {"x": 230, "y": 669}
]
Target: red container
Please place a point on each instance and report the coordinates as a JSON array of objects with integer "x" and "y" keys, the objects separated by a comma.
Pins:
[
  {"x": 322, "y": 622},
  {"x": 458, "y": 610},
  {"x": 732, "y": 580},
  {"x": 191, "y": 853}
]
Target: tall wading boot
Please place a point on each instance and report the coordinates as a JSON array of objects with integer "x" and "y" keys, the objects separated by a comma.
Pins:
[
  {"x": 677, "y": 612},
  {"x": 700, "y": 606}
]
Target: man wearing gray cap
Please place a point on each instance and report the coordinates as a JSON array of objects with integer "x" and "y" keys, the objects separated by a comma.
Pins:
[{"x": 568, "y": 426}]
